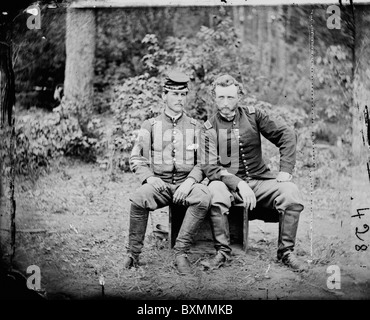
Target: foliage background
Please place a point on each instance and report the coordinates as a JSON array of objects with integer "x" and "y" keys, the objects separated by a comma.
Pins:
[
  {"x": 266, "y": 48},
  {"x": 82, "y": 213}
]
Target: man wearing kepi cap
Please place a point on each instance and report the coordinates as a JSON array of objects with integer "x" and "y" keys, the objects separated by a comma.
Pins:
[
  {"x": 164, "y": 159},
  {"x": 232, "y": 160}
]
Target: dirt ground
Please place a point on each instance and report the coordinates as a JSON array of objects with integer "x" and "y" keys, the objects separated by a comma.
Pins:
[{"x": 73, "y": 224}]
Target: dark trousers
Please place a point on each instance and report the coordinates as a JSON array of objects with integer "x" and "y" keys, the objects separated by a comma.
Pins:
[
  {"x": 148, "y": 199},
  {"x": 270, "y": 194}
]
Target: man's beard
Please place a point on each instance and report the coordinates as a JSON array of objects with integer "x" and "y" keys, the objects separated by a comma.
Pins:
[{"x": 230, "y": 115}]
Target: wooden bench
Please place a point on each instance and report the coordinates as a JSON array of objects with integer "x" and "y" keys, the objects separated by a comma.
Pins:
[{"x": 239, "y": 218}]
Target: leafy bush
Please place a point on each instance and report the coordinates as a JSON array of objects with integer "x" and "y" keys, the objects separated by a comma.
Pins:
[
  {"x": 211, "y": 52},
  {"x": 29, "y": 159},
  {"x": 51, "y": 135},
  {"x": 217, "y": 50},
  {"x": 139, "y": 98}
]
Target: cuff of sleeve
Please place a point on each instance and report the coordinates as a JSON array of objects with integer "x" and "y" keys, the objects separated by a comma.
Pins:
[
  {"x": 146, "y": 176},
  {"x": 192, "y": 178},
  {"x": 287, "y": 167},
  {"x": 196, "y": 178},
  {"x": 231, "y": 181}
]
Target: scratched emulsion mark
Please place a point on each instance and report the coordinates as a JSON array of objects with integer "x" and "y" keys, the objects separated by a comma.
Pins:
[
  {"x": 363, "y": 137},
  {"x": 366, "y": 118},
  {"x": 312, "y": 74},
  {"x": 360, "y": 206}
]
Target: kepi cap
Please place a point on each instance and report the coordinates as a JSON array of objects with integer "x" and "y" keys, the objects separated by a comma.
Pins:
[{"x": 176, "y": 81}]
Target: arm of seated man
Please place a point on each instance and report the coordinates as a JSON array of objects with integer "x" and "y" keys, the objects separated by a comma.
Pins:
[
  {"x": 157, "y": 183},
  {"x": 183, "y": 190}
]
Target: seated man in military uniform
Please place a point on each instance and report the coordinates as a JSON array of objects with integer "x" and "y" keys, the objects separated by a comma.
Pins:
[
  {"x": 164, "y": 159},
  {"x": 232, "y": 160}
]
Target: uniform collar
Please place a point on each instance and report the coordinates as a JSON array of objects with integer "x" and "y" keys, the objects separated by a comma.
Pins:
[
  {"x": 227, "y": 119},
  {"x": 172, "y": 119},
  {"x": 234, "y": 119}
]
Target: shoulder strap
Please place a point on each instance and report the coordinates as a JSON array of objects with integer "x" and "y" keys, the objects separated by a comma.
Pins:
[
  {"x": 152, "y": 121},
  {"x": 251, "y": 109},
  {"x": 207, "y": 125}
]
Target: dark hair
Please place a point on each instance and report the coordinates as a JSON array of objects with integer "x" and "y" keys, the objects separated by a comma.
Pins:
[{"x": 225, "y": 81}]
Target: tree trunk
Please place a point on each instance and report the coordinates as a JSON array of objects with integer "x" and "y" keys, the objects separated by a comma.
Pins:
[
  {"x": 7, "y": 148},
  {"x": 254, "y": 26},
  {"x": 268, "y": 45},
  {"x": 247, "y": 25},
  {"x": 6, "y": 77},
  {"x": 210, "y": 20},
  {"x": 262, "y": 27},
  {"x": 80, "y": 54},
  {"x": 281, "y": 56},
  {"x": 236, "y": 19},
  {"x": 242, "y": 22}
]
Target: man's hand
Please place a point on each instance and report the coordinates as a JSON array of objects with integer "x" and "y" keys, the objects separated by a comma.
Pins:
[
  {"x": 283, "y": 176},
  {"x": 157, "y": 183},
  {"x": 182, "y": 191},
  {"x": 245, "y": 191}
]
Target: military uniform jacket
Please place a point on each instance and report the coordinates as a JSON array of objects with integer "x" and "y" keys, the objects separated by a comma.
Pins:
[
  {"x": 167, "y": 149},
  {"x": 235, "y": 146}
]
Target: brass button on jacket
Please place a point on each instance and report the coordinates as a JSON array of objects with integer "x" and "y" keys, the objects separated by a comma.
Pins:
[
  {"x": 155, "y": 148},
  {"x": 221, "y": 144}
]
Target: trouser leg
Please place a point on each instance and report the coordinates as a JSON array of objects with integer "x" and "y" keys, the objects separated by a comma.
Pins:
[
  {"x": 286, "y": 199},
  {"x": 144, "y": 200}
]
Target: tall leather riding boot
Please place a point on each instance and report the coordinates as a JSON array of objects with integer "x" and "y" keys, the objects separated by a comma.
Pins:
[
  {"x": 221, "y": 233},
  {"x": 138, "y": 223},
  {"x": 188, "y": 230},
  {"x": 189, "y": 227},
  {"x": 288, "y": 226},
  {"x": 221, "y": 238}
]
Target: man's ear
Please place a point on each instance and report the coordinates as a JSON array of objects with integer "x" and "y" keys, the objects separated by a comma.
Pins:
[{"x": 164, "y": 95}]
